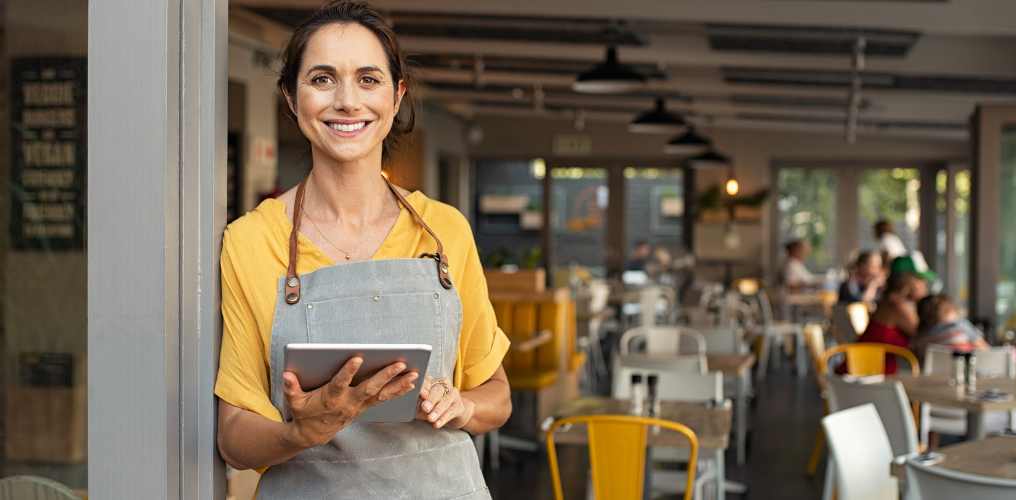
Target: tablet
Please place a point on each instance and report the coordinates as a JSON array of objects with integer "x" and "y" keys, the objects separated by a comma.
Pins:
[{"x": 315, "y": 364}]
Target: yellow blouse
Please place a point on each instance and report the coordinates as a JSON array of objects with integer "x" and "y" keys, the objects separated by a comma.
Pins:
[{"x": 255, "y": 253}]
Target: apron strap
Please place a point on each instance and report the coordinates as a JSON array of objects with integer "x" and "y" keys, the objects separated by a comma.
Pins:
[
  {"x": 442, "y": 260},
  {"x": 293, "y": 281}
]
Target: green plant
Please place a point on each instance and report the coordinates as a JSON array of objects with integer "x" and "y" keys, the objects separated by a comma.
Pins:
[{"x": 531, "y": 257}]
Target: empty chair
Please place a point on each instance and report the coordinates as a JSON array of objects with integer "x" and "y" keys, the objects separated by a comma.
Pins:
[
  {"x": 868, "y": 358},
  {"x": 928, "y": 482},
  {"x": 938, "y": 360},
  {"x": 843, "y": 324},
  {"x": 617, "y": 453},
  {"x": 861, "y": 454},
  {"x": 34, "y": 488},
  {"x": 890, "y": 400},
  {"x": 729, "y": 340},
  {"x": 814, "y": 338},
  {"x": 662, "y": 339}
]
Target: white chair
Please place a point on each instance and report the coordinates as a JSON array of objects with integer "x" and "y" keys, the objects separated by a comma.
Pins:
[
  {"x": 34, "y": 488},
  {"x": 637, "y": 363},
  {"x": 756, "y": 293},
  {"x": 728, "y": 340},
  {"x": 953, "y": 421},
  {"x": 843, "y": 323},
  {"x": 596, "y": 311},
  {"x": 891, "y": 402},
  {"x": 861, "y": 454},
  {"x": 662, "y": 339},
  {"x": 928, "y": 482},
  {"x": 677, "y": 386}
]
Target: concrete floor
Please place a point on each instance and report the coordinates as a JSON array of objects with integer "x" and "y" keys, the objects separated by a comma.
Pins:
[{"x": 784, "y": 420}]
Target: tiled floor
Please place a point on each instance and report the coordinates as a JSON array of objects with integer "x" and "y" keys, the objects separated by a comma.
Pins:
[{"x": 785, "y": 417}]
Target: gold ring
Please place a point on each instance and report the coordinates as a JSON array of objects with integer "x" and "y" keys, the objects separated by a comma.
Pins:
[{"x": 445, "y": 384}]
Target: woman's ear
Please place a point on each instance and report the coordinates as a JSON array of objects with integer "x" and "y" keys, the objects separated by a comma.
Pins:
[
  {"x": 399, "y": 92},
  {"x": 290, "y": 100}
]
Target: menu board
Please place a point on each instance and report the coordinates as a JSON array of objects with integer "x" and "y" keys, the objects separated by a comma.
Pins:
[{"x": 48, "y": 155}]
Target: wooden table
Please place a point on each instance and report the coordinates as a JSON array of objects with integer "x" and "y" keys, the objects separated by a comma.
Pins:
[
  {"x": 738, "y": 367},
  {"x": 710, "y": 425},
  {"x": 935, "y": 389},
  {"x": 991, "y": 457}
]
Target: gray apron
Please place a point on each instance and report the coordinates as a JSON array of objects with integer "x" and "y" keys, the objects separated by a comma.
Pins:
[{"x": 383, "y": 301}]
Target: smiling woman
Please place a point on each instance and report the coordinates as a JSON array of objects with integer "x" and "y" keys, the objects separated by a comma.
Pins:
[{"x": 344, "y": 79}]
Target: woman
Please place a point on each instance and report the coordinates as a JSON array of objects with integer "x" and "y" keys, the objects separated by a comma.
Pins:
[
  {"x": 895, "y": 321},
  {"x": 348, "y": 258},
  {"x": 795, "y": 274},
  {"x": 865, "y": 281}
]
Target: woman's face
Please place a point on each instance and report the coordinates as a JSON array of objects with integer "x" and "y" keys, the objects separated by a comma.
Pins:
[{"x": 345, "y": 99}]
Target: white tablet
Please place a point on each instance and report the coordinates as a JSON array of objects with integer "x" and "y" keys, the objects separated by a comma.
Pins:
[{"x": 315, "y": 364}]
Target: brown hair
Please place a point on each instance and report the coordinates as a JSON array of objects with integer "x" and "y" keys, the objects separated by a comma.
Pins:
[
  {"x": 933, "y": 308},
  {"x": 864, "y": 257},
  {"x": 899, "y": 283},
  {"x": 344, "y": 12},
  {"x": 883, "y": 226}
]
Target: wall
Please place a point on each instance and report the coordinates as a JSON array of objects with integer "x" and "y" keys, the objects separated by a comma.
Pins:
[{"x": 752, "y": 152}]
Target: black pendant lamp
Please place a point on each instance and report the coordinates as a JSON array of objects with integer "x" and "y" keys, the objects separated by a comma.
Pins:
[
  {"x": 611, "y": 77},
  {"x": 657, "y": 121},
  {"x": 689, "y": 143},
  {"x": 709, "y": 159}
]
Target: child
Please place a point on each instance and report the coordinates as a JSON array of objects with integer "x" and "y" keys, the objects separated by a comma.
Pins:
[{"x": 940, "y": 324}]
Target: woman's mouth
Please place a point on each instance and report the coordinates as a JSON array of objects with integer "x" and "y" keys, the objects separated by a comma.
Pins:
[{"x": 347, "y": 127}]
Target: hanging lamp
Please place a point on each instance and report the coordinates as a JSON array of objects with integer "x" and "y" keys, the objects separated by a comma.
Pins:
[
  {"x": 657, "y": 121},
  {"x": 709, "y": 159},
  {"x": 611, "y": 77},
  {"x": 689, "y": 143}
]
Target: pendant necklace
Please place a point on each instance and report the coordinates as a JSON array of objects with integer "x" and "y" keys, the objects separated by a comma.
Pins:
[{"x": 362, "y": 240}]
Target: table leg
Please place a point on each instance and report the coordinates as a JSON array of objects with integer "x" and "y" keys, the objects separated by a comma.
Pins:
[
  {"x": 801, "y": 356},
  {"x": 763, "y": 355},
  {"x": 721, "y": 475},
  {"x": 975, "y": 425},
  {"x": 741, "y": 414}
]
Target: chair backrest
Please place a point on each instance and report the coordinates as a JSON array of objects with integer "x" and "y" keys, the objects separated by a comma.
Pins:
[
  {"x": 720, "y": 341},
  {"x": 34, "y": 488},
  {"x": 599, "y": 293},
  {"x": 890, "y": 400},
  {"x": 617, "y": 454},
  {"x": 861, "y": 454},
  {"x": 868, "y": 358},
  {"x": 929, "y": 482},
  {"x": 662, "y": 339},
  {"x": 814, "y": 338},
  {"x": 938, "y": 360},
  {"x": 841, "y": 320},
  {"x": 673, "y": 385},
  {"x": 859, "y": 315}
]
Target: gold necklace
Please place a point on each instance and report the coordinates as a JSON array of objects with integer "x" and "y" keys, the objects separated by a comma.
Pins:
[{"x": 362, "y": 240}]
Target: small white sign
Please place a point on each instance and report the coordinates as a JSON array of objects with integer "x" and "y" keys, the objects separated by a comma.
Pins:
[{"x": 572, "y": 145}]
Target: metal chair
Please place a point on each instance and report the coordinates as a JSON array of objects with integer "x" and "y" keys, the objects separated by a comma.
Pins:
[
  {"x": 891, "y": 402},
  {"x": 868, "y": 358},
  {"x": 928, "y": 482},
  {"x": 617, "y": 454},
  {"x": 861, "y": 455},
  {"x": 814, "y": 338},
  {"x": 662, "y": 339},
  {"x": 34, "y": 488}
]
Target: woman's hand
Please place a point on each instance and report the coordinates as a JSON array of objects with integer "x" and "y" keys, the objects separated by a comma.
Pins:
[
  {"x": 442, "y": 404},
  {"x": 319, "y": 414}
]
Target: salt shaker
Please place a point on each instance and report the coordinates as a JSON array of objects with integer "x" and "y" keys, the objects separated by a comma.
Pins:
[
  {"x": 638, "y": 396},
  {"x": 958, "y": 367},
  {"x": 971, "y": 372},
  {"x": 654, "y": 400}
]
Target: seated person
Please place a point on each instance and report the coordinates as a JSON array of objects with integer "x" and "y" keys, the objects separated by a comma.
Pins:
[
  {"x": 794, "y": 274},
  {"x": 889, "y": 243},
  {"x": 864, "y": 282},
  {"x": 941, "y": 324},
  {"x": 639, "y": 254},
  {"x": 895, "y": 321}
]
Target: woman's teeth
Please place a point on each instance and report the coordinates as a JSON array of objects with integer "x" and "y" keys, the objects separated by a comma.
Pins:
[{"x": 352, "y": 127}]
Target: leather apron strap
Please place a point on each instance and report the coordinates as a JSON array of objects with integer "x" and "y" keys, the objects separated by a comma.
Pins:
[{"x": 293, "y": 281}]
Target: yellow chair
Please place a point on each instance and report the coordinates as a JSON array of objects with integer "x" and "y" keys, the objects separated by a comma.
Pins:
[
  {"x": 858, "y": 313},
  {"x": 617, "y": 454},
  {"x": 814, "y": 337},
  {"x": 868, "y": 358}
]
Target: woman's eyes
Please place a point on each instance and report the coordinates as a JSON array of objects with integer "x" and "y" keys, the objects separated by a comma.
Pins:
[
  {"x": 322, "y": 80},
  {"x": 370, "y": 80}
]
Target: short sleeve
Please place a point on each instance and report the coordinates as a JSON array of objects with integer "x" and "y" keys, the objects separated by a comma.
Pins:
[
  {"x": 482, "y": 345},
  {"x": 243, "y": 379}
]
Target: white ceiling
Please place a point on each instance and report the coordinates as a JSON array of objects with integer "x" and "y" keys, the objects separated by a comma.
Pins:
[{"x": 966, "y": 49}]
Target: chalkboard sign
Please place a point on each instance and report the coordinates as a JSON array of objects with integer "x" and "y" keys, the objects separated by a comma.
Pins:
[{"x": 48, "y": 157}]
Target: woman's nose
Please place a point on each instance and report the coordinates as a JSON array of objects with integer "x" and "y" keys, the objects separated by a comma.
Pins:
[{"x": 347, "y": 97}]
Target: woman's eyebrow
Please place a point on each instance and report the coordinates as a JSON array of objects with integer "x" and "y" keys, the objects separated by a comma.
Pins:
[
  {"x": 365, "y": 69},
  {"x": 321, "y": 67}
]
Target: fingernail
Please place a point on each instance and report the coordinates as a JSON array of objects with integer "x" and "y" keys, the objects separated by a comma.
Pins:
[
  {"x": 438, "y": 423},
  {"x": 432, "y": 416},
  {"x": 412, "y": 386},
  {"x": 285, "y": 382},
  {"x": 426, "y": 406}
]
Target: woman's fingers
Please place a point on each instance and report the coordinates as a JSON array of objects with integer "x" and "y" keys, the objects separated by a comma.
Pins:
[
  {"x": 372, "y": 386},
  {"x": 342, "y": 380},
  {"x": 396, "y": 388},
  {"x": 291, "y": 389},
  {"x": 437, "y": 389},
  {"x": 447, "y": 408}
]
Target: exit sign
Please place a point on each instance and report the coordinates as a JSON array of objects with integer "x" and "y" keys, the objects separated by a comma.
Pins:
[{"x": 572, "y": 145}]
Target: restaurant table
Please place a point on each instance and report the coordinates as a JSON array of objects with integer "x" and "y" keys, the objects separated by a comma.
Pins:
[
  {"x": 710, "y": 425},
  {"x": 737, "y": 367},
  {"x": 935, "y": 389},
  {"x": 992, "y": 457}
]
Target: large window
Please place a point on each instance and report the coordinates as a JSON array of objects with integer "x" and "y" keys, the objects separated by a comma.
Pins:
[
  {"x": 654, "y": 211},
  {"x": 580, "y": 204},
  {"x": 807, "y": 205},
  {"x": 43, "y": 321},
  {"x": 1005, "y": 306},
  {"x": 889, "y": 194}
]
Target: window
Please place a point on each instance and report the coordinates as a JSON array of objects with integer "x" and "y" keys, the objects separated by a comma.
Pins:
[
  {"x": 807, "y": 207},
  {"x": 889, "y": 194},
  {"x": 580, "y": 202},
  {"x": 1005, "y": 304}
]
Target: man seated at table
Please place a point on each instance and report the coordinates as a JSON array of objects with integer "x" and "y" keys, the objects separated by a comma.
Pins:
[
  {"x": 866, "y": 279},
  {"x": 941, "y": 324}
]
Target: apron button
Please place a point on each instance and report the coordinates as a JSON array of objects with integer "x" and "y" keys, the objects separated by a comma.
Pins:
[
  {"x": 377, "y": 298},
  {"x": 310, "y": 306},
  {"x": 291, "y": 282},
  {"x": 444, "y": 268},
  {"x": 292, "y": 298},
  {"x": 436, "y": 295}
]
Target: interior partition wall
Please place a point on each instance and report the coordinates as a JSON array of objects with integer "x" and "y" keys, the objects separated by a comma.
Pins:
[{"x": 156, "y": 189}]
